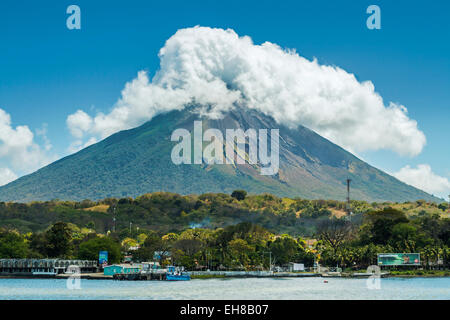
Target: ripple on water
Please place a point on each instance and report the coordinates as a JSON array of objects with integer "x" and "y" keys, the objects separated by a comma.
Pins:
[{"x": 242, "y": 289}]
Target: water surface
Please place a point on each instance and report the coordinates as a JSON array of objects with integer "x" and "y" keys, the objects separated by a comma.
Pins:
[{"x": 253, "y": 288}]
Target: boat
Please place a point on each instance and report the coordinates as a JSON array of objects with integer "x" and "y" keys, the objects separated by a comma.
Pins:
[{"x": 177, "y": 274}]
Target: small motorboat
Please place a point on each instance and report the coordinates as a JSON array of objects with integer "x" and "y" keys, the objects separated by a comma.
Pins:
[{"x": 177, "y": 274}]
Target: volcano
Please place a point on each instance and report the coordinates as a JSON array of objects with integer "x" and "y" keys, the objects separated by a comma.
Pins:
[{"x": 137, "y": 161}]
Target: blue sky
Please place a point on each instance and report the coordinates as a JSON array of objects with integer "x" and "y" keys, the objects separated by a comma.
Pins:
[{"x": 48, "y": 72}]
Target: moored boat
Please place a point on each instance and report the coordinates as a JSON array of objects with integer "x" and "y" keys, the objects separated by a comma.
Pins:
[{"x": 177, "y": 274}]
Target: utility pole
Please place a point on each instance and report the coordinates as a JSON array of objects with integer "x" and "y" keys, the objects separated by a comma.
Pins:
[{"x": 130, "y": 227}]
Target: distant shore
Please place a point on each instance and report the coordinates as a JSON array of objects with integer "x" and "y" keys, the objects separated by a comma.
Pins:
[
  {"x": 420, "y": 273},
  {"x": 241, "y": 274},
  {"x": 88, "y": 276}
]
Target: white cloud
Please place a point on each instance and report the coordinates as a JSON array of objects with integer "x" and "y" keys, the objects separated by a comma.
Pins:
[
  {"x": 77, "y": 145},
  {"x": 42, "y": 132},
  {"x": 79, "y": 122},
  {"x": 19, "y": 151},
  {"x": 6, "y": 176},
  {"x": 424, "y": 178},
  {"x": 216, "y": 67}
]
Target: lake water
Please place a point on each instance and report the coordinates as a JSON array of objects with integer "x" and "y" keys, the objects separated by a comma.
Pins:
[{"x": 253, "y": 288}]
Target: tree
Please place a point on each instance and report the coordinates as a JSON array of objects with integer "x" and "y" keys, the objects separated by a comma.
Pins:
[
  {"x": 91, "y": 225},
  {"x": 284, "y": 249},
  {"x": 443, "y": 206},
  {"x": 444, "y": 232},
  {"x": 129, "y": 242},
  {"x": 240, "y": 251},
  {"x": 405, "y": 237},
  {"x": 141, "y": 238},
  {"x": 59, "y": 240},
  {"x": 185, "y": 251},
  {"x": 154, "y": 245},
  {"x": 12, "y": 246},
  {"x": 39, "y": 245},
  {"x": 431, "y": 225},
  {"x": 239, "y": 194},
  {"x": 334, "y": 232},
  {"x": 189, "y": 246},
  {"x": 370, "y": 254},
  {"x": 381, "y": 223},
  {"x": 90, "y": 249}
]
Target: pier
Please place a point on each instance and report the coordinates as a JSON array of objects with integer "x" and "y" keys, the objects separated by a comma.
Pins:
[
  {"x": 252, "y": 274},
  {"x": 141, "y": 276},
  {"x": 43, "y": 267}
]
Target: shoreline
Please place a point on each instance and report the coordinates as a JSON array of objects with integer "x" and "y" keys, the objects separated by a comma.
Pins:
[
  {"x": 101, "y": 276},
  {"x": 87, "y": 276},
  {"x": 437, "y": 275}
]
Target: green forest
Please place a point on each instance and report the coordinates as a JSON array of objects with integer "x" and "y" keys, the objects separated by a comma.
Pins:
[{"x": 222, "y": 231}]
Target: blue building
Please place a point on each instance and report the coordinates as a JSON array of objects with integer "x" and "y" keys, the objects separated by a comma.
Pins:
[{"x": 120, "y": 268}]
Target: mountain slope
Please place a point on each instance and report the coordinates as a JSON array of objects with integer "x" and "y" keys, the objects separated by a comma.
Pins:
[{"x": 137, "y": 161}]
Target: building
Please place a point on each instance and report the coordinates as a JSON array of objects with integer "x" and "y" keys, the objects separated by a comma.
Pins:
[
  {"x": 44, "y": 266},
  {"x": 147, "y": 266},
  {"x": 310, "y": 243},
  {"x": 292, "y": 267},
  {"x": 121, "y": 268},
  {"x": 157, "y": 255}
]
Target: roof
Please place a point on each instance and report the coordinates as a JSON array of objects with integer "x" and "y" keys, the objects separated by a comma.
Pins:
[{"x": 123, "y": 265}]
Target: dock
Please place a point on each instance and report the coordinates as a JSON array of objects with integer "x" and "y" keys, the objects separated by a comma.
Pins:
[
  {"x": 89, "y": 276},
  {"x": 253, "y": 274},
  {"x": 140, "y": 276}
]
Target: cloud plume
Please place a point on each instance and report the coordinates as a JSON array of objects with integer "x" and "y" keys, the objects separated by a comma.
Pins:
[
  {"x": 424, "y": 178},
  {"x": 219, "y": 69}
]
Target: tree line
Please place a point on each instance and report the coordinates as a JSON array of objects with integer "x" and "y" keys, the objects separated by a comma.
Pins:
[
  {"x": 165, "y": 212},
  {"x": 347, "y": 241}
]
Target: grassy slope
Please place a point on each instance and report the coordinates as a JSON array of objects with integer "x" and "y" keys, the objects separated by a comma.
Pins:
[{"x": 172, "y": 212}]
